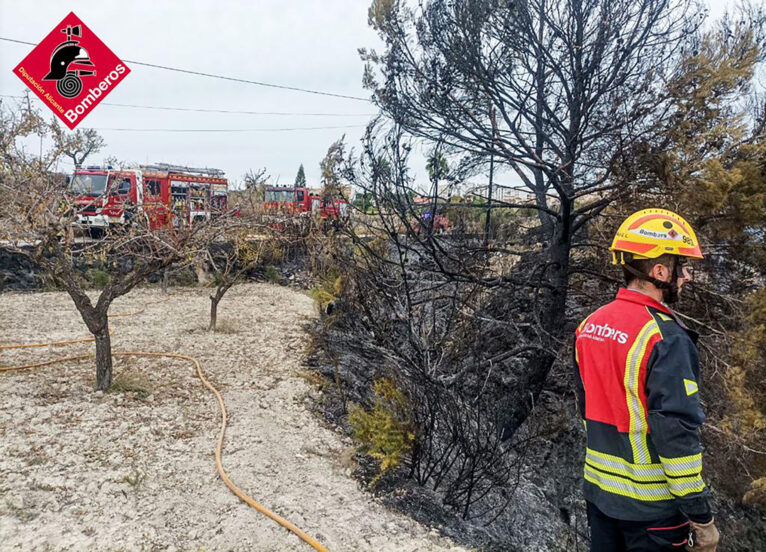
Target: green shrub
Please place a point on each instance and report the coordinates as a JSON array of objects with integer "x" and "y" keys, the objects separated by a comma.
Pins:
[
  {"x": 136, "y": 384},
  {"x": 272, "y": 274},
  {"x": 184, "y": 278},
  {"x": 384, "y": 433},
  {"x": 322, "y": 298},
  {"x": 98, "y": 278}
]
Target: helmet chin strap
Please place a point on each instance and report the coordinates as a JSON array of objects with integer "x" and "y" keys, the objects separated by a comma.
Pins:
[{"x": 669, "y": 289}]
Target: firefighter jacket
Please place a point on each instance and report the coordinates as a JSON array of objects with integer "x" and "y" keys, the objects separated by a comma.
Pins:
[{"x": 637, "y": 380}]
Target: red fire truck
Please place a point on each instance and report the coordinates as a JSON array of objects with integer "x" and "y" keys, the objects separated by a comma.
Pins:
[
  {"x": 161, "y": 195},
  {"x": 296, "y": 201}
]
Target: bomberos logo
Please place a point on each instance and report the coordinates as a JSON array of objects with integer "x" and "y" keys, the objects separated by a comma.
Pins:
[
  {"x": 600, "y": 332},
  {"x": 82, "y": 68}
]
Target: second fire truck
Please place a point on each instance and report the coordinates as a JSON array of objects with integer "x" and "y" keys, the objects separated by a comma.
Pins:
[{"x": 296, "y": 201}]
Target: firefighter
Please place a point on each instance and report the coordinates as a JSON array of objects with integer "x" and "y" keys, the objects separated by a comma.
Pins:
[{"x": 637, "y": 383}]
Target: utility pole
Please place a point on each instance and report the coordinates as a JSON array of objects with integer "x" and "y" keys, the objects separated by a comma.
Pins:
[
  {"x": 487, "y": 220},
  {"x": 435, "y": 178},
  {"x": 489, "y": 196},
  {"x": 434, "y": 166}
]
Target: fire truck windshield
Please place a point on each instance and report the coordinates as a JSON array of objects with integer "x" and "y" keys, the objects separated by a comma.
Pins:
[
  {"x": 279, "y": 195},
  {"x": 88, "y": 184}
]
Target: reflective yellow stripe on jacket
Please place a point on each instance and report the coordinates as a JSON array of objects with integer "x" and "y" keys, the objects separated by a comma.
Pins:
[
  {"x": 651, "y": 473},
  {"x": 626, "y": 487},
  {"x": 684, "y": 474},
  {"x": 616, "y": 475},
  {"x": 639, "y": 425}
]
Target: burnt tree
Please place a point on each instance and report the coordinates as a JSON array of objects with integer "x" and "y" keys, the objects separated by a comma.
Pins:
[{"x": 555, "y": 92}]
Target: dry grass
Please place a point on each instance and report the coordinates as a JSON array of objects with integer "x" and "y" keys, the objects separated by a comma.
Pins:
[
  {"x": 25, "y": 514},
  {"x": 136, "y": 384},
  {"x": 226, "y": 327},
  {"x": 314, "y": 378}
]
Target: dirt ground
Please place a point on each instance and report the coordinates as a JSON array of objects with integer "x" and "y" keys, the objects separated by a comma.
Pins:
[{"x": 133, "y": 468}]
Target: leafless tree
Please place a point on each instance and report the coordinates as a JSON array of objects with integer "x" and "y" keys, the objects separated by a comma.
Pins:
[
  {"x": 407, "y": 311},
  {"x": 253, "y": 195},
  {"x": 238, "y": 251},
  {"x": 37, "y": 221},
  {"x": 256, "y": 178},
  {"x": 77, "y": 145}
]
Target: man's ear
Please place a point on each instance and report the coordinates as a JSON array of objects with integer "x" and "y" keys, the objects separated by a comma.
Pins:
[{"x": 659, "y": 272}]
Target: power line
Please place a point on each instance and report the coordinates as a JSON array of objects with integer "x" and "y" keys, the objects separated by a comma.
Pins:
[
  {"x": 224, "y": 129},
  {"x": 223, "y": 77},
  {"x": 246, "y": 81},
  {"x": 205, "y": 110}
]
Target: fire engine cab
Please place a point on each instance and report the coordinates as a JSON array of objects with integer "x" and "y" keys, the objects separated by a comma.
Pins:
[
  {"x": 296, "y": 201},
  {"x": 162, "y": 195}
]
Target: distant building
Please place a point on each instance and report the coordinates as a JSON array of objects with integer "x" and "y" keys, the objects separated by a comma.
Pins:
[
  {"x": 346, "y": 190},
  {"x": 469, "y": 192},
  {"x": 499, "y": 193}
]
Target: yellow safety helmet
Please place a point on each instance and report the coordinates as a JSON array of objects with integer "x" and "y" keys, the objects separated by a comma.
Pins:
[{"x": 649, "y": 233}]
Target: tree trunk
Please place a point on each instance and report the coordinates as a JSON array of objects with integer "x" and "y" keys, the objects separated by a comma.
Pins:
[
  {"x": 521, "y": 398},
  {"x": 214, "y": 300},
  {"x": 103, "y": 358}
]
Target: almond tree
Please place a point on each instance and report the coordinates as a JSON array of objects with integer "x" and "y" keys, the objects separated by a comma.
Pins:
[
  {"x": 232, "y": 257},
  {"x": 78, "y": 145},
  {"x": 36, "y": 220}
]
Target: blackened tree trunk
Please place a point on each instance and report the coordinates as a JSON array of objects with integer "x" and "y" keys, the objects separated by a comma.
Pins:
[{"x": 551, "y": 309}]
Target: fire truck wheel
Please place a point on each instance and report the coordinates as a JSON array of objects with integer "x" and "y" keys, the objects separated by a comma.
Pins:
[{"x": 96, "y": 232}]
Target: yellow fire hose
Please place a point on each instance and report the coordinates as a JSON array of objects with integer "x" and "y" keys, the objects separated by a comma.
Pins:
[
  {"x": 200, "y": 374},
  {"x": 73, "y": 341}
]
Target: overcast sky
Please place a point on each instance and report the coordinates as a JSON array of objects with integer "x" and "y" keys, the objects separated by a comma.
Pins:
[{"x": 307, "y": 44}]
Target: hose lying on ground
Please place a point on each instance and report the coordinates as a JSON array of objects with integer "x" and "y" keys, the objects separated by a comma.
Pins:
[
  {"x": 200, "y": 374},
  {"x": 72, "y": 341}
]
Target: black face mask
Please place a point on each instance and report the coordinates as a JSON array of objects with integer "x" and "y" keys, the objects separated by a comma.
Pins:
[{"x": 670, "y": 291}]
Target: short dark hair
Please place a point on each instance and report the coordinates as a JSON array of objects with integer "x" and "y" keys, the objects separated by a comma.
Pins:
[{"x": 646, "y": 265}]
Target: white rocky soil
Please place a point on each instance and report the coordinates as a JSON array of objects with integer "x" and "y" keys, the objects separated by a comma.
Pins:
[{"x": 133, "y": 469}]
